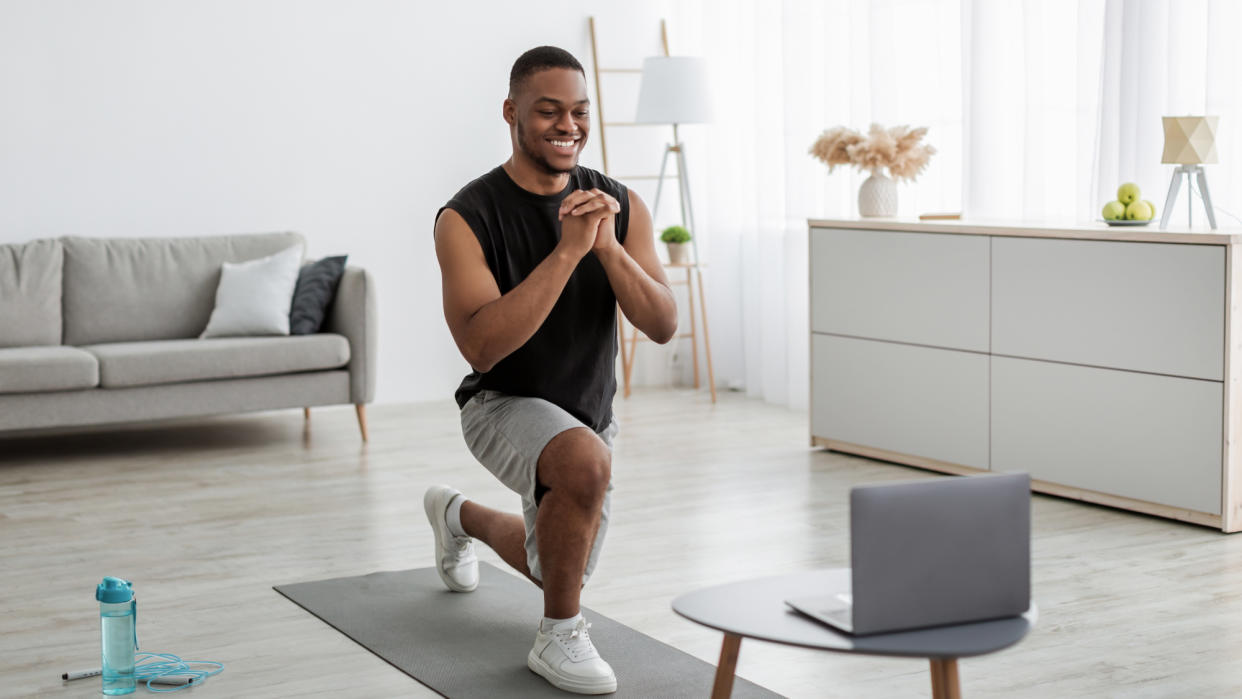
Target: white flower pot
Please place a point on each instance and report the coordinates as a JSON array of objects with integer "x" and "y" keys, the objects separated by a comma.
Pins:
[
  {"x": 877, "y": 196},
  {"x": 678, "y": 253}
]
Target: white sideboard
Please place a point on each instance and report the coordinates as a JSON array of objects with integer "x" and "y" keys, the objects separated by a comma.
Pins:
[{"x": 1096, "y": 359}]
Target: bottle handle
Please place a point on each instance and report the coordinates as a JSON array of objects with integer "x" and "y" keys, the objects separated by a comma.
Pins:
[{"x": 134, "y": 606}]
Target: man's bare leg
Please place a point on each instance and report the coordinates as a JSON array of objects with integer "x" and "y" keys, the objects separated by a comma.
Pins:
[
  {"x": 575, "y": 467},
  {"x": 504, "y": 533}
]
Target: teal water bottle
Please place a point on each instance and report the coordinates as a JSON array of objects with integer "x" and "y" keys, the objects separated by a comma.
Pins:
[{"x": 118, "y": 615}]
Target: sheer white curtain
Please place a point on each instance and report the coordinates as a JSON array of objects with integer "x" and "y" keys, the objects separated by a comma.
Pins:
[
  {"x": 1168, "y": 58},
  {"x": 1038, "y": 108},
  {"x": 1065, "y": 105},
  {"x": 1030, "y": 108},
  {"x": 782, "y": 73}
]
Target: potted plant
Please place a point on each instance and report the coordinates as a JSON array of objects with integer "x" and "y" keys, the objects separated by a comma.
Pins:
[
  {"x": 677, "y": 238},
  {"x": 897, "y": 149}
]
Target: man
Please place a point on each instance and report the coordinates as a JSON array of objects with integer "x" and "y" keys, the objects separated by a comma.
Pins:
[{"x": 535, "y": 256}]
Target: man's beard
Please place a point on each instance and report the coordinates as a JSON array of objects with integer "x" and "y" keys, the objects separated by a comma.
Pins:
[{"x": 539, "y": 160}]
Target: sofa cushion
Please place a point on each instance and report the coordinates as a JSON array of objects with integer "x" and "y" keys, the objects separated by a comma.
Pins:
[
  {"x": 315, "y": 290},
  {"x": 131, "y": 289},
  {"x": 175, "y": 361},
  {"x": 30, "y": 281},
  {"x": 38, "y": 369},
  {"x": 254, "y": 297}
]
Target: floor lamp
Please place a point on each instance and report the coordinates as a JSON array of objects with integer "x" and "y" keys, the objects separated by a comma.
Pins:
[
  {"x": 674, "y": 91},
  {"x": 1189, "y": 142}
]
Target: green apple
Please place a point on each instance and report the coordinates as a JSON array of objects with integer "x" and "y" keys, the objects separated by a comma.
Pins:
[
  {"x": 1139, "y": 211},
  {"x": 1128, "y": 193},
  {"x": 1153, "y": 208},
  {"x": 1114, "y": 210}
]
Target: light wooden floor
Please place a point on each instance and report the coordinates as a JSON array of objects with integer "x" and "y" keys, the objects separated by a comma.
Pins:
[{"x": 206, "y": 516}]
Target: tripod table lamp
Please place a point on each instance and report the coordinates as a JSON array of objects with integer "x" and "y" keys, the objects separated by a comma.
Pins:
[{"x": 1189, "y": 143}]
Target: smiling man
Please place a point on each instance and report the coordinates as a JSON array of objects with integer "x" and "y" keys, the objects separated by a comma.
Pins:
[{"x": 535, "y": 256}]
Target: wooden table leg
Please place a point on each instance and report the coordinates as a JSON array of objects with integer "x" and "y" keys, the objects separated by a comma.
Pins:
[
  {"x": 944, "y": 679},
  {"x": 723, "y": 688}
]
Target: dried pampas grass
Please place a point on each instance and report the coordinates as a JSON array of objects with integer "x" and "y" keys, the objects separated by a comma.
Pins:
[
  {"x": 897, "y": 149},
  {"x": 833, "y": 146}
]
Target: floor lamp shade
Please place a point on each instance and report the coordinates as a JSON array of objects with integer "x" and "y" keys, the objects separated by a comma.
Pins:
[
  {"x": 1189, "y": 140},
  {"x": 674, "y": 91}
]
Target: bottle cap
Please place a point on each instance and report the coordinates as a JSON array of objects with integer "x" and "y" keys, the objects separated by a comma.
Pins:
[{"x": 113, "y": 590}]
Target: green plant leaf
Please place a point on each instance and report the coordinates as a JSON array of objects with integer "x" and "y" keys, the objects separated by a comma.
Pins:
[{"x": 675, "y": 234}]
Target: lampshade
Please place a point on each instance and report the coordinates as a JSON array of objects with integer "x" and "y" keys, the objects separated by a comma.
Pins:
[
  {"x": 1189, "y": 140},
  {"x": 674, "y": 91}
]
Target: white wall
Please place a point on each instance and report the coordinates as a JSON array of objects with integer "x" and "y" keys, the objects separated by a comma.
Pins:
[{"x": 349, "y": 122}]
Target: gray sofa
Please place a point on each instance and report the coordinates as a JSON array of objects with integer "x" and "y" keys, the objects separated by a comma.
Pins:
[{"x": 96, "y": 331}]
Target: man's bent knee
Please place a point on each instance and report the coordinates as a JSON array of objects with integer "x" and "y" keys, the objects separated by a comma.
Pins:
[{"x": 577, "y": 463}]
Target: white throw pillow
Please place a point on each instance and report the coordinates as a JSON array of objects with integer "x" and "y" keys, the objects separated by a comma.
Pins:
[{"x": 254, "y": 296}]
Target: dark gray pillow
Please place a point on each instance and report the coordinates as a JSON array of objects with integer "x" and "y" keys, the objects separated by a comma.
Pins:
[{"x": 316, "y": 288}]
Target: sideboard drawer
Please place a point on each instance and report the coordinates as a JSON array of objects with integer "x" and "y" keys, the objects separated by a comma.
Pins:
[
  {"x": 1155, "y": 307},
  {"x": 913, "y": 400},
  {"x": 919, "y": 288},
  {"x": 1141, "y": 436}
]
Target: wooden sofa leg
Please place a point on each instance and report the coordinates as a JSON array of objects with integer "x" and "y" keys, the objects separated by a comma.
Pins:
[{"x": 362, "y": 419}]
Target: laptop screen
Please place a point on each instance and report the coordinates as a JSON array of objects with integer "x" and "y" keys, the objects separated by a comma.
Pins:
[{"x": 940, "y": 551}]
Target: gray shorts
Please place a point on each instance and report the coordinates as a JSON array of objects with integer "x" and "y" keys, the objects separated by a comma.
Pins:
[{"x": 507, "y": 434}]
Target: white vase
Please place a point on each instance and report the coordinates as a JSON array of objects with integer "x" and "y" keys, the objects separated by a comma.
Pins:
[{"x": 877, "y": 196}]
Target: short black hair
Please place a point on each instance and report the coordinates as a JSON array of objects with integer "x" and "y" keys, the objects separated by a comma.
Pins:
[{"x": 537, "y": 59}]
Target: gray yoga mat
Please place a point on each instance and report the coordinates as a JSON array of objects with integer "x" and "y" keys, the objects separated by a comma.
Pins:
[{"x": 475, "y": 645}]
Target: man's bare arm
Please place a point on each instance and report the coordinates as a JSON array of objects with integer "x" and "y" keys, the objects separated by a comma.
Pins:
[
  {"x": 487, "y": 326},
  {"x": 637, "y": 277}
]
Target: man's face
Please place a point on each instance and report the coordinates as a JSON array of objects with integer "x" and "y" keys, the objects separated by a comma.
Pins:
[{"x": 551, "y": 118}]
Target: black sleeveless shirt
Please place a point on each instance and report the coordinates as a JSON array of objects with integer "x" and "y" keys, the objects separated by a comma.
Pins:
[{"x": 571, "y": 359}]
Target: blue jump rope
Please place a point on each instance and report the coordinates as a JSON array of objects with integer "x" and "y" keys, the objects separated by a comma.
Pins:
[{"x": 152, "y": 666}]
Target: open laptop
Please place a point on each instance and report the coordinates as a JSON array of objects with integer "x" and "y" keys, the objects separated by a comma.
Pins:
[{"x": 932, "y": 552}]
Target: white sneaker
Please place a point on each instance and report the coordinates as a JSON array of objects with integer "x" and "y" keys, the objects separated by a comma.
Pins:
[
  {"x": 565, "y": 656},
  {"x": 455, "y": 559}
]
